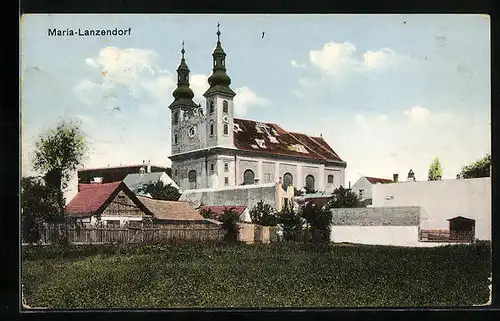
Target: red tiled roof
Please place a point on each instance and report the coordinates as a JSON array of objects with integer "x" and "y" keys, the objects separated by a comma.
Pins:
[
  {"x": 217, "y": 210},
  {"x": 171, "y": 210},
  {"x": 278, "y": 141},
  {"x": 374, "y": 180},
  {"x": 90, "y": 198}
]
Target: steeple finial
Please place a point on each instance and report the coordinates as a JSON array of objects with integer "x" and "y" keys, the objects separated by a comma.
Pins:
[
  {"x": 183, "y": 51},
  {"x": 218, "y": 32}
]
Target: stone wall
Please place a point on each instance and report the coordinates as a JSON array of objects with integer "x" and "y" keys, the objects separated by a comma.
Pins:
[
  {"x": 248, "y": 196},
  {"x": 366, "y": 216}
]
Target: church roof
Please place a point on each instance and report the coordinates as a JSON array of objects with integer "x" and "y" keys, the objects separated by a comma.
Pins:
[{"x": 272, "y": 139}]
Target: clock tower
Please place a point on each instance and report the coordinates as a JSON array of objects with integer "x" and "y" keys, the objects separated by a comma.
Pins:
[
  {"x": 219, "y": 101},
  {"x": 186, "y": 116}
]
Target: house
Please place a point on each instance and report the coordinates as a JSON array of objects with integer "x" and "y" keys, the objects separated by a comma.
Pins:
[
  {"x": 363, "y": 186},
  {"x": 113, "y": 204},
  {"x": 136, "y": 181},
  {"x": 117, "y": 173},
  {"x": 319, "y": 199},
  {"x": 442, "y": 201},
  {"x": 242, "y": 211},
  {"x": 211, "y": 149},
  {"x": 172, "y": 212}
]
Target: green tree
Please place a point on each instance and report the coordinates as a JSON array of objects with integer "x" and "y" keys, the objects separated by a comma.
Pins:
[
  {"x": 207, "y": 213},
  {"x": 344, "y": 198},
  {"x": 229, "y": 219},
  {"x": 263, "y": 214},
  {"x": 319, "y": 219},
  {"x": 291, "y": 222},
  {"x": 435, "y": 170},
  {"x": 477, "y": 169},
  {"x": 158, "y": 190},
  {"x": 39, "y": 204}
]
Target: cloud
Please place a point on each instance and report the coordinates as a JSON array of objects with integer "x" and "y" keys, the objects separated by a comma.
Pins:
[
  {"x": 85, "y": 119},
  {"x": 246, "y": 98},
  {"x": 420, "y": 115},
  {"x": 295, "y": 64}
]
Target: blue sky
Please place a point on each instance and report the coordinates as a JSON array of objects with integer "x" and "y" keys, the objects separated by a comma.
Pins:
[{"x": 387, "y": 92}]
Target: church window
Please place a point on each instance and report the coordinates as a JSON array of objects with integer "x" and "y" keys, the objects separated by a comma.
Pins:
[
  {"x": 287, "y": 180},
  {"x": 248, "y": 177},
  {"x": 223, "y": 61},
  {"x": 226, "y": 181},
  {"x": 176, "y": 173},
  {"x": 226, "y": 167},
  {"x": 330, "y": 179},
  {"x": 225, "y": 106},
  {"x": 175, "y": 138},
  {"x": 176, "y": 118},
  {"x": 192, "y": 179},
  {"x": 226, "y": 129},
  {"x": 310, "y": 183},
  {"x": 211, "y": 110},
  {"x": 179, "y": 78},
  {"x": 211, "y": 129},
  {"x": 211, "y": 168}
]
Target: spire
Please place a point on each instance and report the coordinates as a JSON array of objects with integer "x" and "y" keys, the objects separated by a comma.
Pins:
[
  {"x": 219, "y": 81},
  {"x": 183, "y": 94}
]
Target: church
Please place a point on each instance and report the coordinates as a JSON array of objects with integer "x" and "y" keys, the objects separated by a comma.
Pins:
[{"x": 213, "y": 149}]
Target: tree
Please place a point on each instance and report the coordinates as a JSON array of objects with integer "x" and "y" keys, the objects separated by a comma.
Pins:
[
  {"x": 291, "y": 222},
  {"x": 207, "y": 213},
  {"x": 344, "y": 198},
  {"x": 229, "y": 219},
  {"x": 60, "y": 151},
  {"x": 477, "y": 169},
  {"x": 39, "y": 204},
  {"x": 319, "y": 219},
  {"x": 263, "y": 214},
  {"x": 435, "y": 170},
  {"x": 158, "y": 190}
]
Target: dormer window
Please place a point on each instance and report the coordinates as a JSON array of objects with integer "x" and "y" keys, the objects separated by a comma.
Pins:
[
  {"x": 211, "y": 110},
  {"x": 225, "y": 107}
]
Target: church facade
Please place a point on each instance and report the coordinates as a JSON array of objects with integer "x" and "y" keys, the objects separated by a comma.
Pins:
[{"x": 213, "y": 149}]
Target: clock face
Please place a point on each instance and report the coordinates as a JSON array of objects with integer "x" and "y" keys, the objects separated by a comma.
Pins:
[{"x": 191, "y": 132}]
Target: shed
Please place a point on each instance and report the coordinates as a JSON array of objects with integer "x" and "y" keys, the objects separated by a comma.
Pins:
[{"x": 462, "y": 229}]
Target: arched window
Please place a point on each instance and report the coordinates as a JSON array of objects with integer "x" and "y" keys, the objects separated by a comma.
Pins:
[
  {"x": 330, "y": 179},
  {"x": 176, "y": 117},
  {"x": 175, "y": 138},
  {"x": 211, "y": 110},
  {"x": 192, "y": 179},
  {"x": 226, "y": 129},
  {"x": 211, "y": 129},
  {"x": 310, "y": 183},
  {"x": 287, "y": 180},
  {"x": 248, "y": 177},
  {"x": 225, "y": 107}
]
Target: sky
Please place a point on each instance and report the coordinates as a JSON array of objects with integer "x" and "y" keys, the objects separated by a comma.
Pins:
[{"x": 389, "y": 93}]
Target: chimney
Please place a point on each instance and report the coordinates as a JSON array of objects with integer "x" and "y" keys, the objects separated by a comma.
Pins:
[
  {"x": 411, "y": 176},
  {"x": 349, "y": 185},
  {"x": 149, "y": 167},
  {"x": 395, "y": 178},
  {"x": 459, "y": 176}
]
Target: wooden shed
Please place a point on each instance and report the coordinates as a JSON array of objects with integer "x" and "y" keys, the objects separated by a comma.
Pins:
[{"x": 462, "y": 229}]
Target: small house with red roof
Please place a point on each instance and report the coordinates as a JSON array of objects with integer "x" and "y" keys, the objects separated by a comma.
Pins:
[
  {"x": 363, "y": 186},
  {"x": 212, "y": 149},
  {"x": 111, "y": 203}
]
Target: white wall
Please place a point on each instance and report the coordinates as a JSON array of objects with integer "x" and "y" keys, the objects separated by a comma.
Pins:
[
  {"x": 167, "y": 180},
  {"x": 72, "y": 189},
  {"x": 441, "y": 200},
  {"x": 380, "y": 235}
]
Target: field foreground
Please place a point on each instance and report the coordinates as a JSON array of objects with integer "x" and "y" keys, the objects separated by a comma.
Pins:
[{"x": 196, "y": 275}]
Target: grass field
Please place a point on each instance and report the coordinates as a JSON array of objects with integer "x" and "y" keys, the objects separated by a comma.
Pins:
[{"x": 213, "y": 275}]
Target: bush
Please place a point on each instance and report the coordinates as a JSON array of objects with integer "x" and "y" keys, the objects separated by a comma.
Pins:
[
  {"x": 264, "y": 214},
  {"x": 319, "y": 219},
  {"x": 291, "y": 222},
  {"x": 229, "y": 219},
  {"x": 207, "y": 213}
]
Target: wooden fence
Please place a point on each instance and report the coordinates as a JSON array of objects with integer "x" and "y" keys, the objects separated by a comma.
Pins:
[{"x": 95, "y": 235}]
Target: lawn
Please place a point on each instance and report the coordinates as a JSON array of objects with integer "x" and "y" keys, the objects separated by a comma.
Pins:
[{"x": 195, "y": 275}]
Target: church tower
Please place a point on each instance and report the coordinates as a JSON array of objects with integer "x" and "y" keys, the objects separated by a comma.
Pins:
[
  {"x": 183, "y": 110},
  {"x": 219, "y": 101}
]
